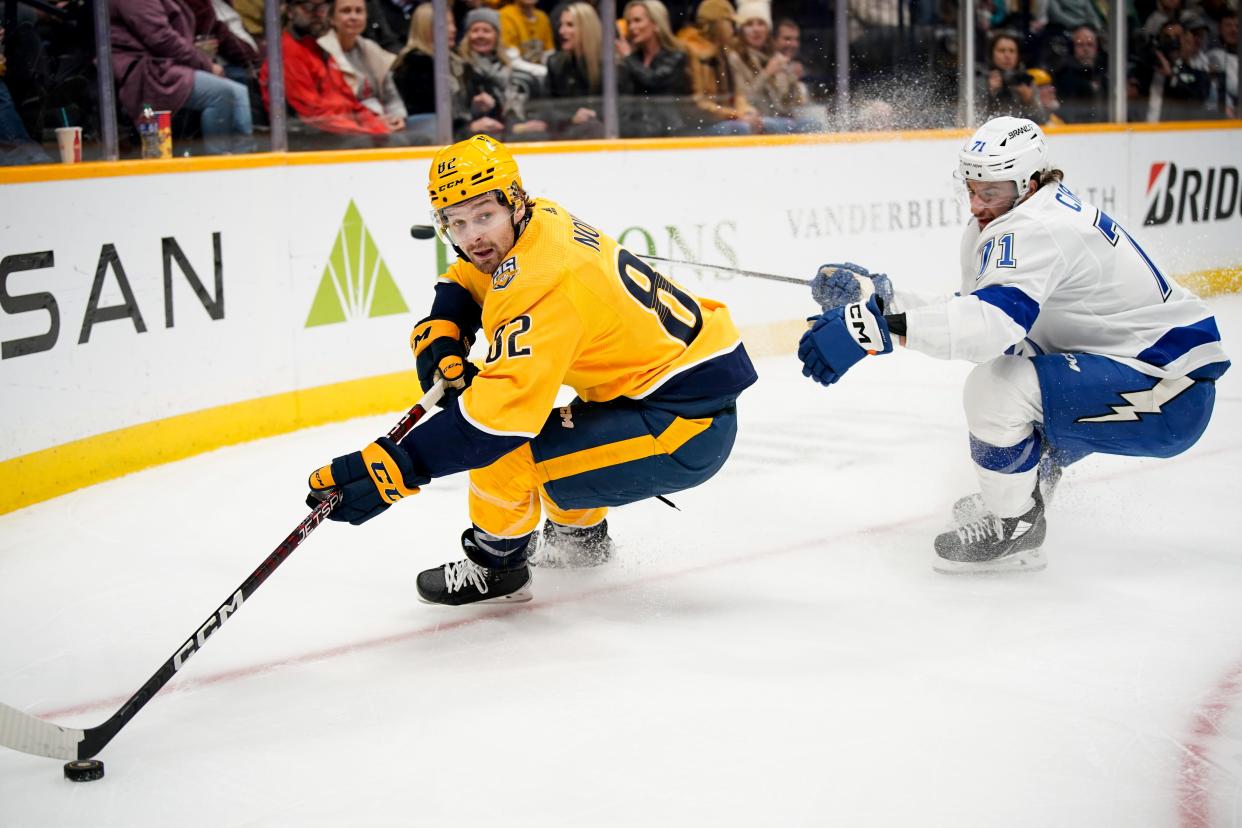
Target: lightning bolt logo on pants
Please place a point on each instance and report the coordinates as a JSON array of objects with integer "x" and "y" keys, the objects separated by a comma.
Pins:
[{"x": 1142, "y": 402}]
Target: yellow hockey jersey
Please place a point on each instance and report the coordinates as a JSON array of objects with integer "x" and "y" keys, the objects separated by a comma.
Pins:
[{"x": 570, "y": 306}]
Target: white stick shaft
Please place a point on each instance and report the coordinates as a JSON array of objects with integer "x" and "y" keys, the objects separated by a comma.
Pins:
[
  {"x": 772, "y": 277},
  {"x": 21, "y": 731}
]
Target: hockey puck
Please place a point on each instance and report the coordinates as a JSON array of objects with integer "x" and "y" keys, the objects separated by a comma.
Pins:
[{"x": 84, "y": 770}]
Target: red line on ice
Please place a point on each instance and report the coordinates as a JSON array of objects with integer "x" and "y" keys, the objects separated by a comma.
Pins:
[
  {"x": 1194, "y": 795},
  {"x": 1194, "y": 800},
  {"x": 497, "y": 611}
]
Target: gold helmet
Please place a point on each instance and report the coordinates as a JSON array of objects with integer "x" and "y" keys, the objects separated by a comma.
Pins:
[{"x": 471, "y": 168}]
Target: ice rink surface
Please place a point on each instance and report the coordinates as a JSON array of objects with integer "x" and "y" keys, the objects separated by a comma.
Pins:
[{"x": 779, "y": 652}]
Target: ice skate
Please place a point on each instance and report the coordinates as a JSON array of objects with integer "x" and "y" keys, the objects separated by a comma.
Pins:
[
  {"x": 993, "y": 544},
  {"x": 572, "y": 547},
  {"x": 465, "y": 582}
]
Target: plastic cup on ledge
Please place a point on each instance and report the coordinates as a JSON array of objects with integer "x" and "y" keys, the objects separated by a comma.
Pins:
[{"x": 69, "y": 139}]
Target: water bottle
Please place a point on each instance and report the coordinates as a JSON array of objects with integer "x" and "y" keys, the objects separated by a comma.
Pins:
[{"x": 149, "y": 132}]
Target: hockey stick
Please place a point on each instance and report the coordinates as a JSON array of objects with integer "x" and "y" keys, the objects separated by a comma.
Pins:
[
  {"x": 426, "y": 231},
  {"x": 773, "y": 277},
  {"x": 21, "y": 731}
]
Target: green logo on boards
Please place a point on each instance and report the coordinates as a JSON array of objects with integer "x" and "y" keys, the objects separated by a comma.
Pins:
[{"x": 356, "y": 283}]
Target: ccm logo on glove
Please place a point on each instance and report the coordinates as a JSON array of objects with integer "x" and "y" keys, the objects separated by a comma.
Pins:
[{"x": 862, "y": 325}]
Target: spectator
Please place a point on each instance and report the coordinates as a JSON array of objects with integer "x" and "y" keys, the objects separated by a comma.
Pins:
[
  {"x": 762, "y": 75},
  {"x": 156, "y": 64},
  {"x": 1215, "y": 11},
  {"x": 527, "y": 30},
  {"x": 721, "y": 108},
  {"x": 1223, "y": 63},
  {"x": 363, "y": 63},
  {"x": 318, "y": 93},
  {"x": 251, "y": 14},
  {"x": 51, "y": 68},
  {"x": 496, "y": 89},
  {"x": 1168, "y": 79},
  {"x": 1083, "y": 82},
  {"x": 214, "y": 37},
  {"x": 652, "y": 77},
  {"x": 788, "y": 41},
  {"x": 227, "y": 14},
  {"x": 15, "y": 144},
  {"x": 388, "y": 22},
  {"x": 1067, "y": 15},
  {"x": 1008, "y": 88},
  {"x": 1201, "y": 31},
  {"x": 1046, "y": 92},
  {"x": 1052, "y": 45},
  {"x": 414, "y": 76},
  {"x": 1165, "y": 11},
  {"x": 574, "y": 75}
]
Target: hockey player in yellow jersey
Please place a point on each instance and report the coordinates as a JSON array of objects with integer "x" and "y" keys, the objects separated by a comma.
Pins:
[{"x": 656, "y": 370}]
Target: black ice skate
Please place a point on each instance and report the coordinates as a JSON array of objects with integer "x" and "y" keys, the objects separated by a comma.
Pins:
[
  {"x": 993, "y": 544},
  {"x": 466, "y": 582},
  {"x": 572, "y": 547}
]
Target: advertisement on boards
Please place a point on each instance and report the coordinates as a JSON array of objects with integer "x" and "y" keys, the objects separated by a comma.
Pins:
[{"x": 131, "y": 299}]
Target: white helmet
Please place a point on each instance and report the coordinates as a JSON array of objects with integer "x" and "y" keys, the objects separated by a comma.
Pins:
[{"x": 1004, "y": 149}]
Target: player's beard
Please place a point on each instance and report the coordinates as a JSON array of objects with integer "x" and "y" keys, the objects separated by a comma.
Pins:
[{"x": 493, "y": 255}]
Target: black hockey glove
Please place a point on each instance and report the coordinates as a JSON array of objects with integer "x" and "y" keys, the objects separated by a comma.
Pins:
[
  {"x": 440, "y": 352},
  {"x": 369, "y": 481}
]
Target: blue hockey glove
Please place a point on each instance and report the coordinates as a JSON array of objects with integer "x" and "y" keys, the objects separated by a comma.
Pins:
[
  {"x": 840, "y": 337},
  {"x": 369, "y": 481},
  {"x": 836, "y": 285}
]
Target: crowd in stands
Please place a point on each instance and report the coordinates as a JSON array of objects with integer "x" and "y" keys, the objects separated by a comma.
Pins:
[
  {"x": 1050, "y": 64},
  {"x": 360, "y": 73}
]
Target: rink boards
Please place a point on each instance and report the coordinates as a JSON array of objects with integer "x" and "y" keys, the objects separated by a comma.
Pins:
[{"x": 153, "y": 310}]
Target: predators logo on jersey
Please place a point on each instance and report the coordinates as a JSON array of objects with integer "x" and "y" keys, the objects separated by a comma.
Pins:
[
  {"x": 601, "y": 320},
  {"x": 505, "y": 274}
]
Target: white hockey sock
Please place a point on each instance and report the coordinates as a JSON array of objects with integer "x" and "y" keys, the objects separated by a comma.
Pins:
[{"x": 1007, "y": 495}]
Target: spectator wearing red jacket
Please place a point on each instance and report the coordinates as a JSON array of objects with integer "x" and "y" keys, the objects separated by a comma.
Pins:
[{"x": 316, "y": 90}]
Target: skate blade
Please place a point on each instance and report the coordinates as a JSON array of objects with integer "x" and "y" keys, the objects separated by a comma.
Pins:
[
  {"x": 1028, "y": 560},
  {"x": 519, "y": 596}
]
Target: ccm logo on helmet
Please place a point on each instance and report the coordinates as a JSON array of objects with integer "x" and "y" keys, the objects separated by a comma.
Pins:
[{"x": 450, "y": 185}]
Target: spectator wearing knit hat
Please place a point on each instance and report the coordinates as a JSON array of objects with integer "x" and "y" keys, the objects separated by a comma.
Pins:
[
  {"x": 763, "y": 75},
  {"x": 721, "y": 109},
  {"x": 498, "y": 90},
  {"x": 1046, "y": 91}
]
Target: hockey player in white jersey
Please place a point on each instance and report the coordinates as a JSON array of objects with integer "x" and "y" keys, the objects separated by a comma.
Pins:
[{"x": 1083, "y": 345}]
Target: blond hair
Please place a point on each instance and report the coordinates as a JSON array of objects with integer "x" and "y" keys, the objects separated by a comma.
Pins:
[
  {"x": 587, "y": 46},
  {"x": 420, "y": 37},
  {"x": 659, "y": 16}
]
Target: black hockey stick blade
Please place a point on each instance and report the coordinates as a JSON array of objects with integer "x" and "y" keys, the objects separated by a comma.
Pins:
[
  {"x": 754, "y": 274},
  {"x": 30, "y": 734}
]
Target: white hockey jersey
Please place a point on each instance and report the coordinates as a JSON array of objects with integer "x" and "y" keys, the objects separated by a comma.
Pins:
[{"x": 1057, "y": 275}]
